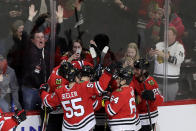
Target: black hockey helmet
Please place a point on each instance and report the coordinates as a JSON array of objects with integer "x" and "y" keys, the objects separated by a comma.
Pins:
[
  {"x": 64, "y": 68},
  {"x": 87, "y": 70},
  {"x": 125, "y": 74},
  {"x": 141, "y": 64},
  {"x": 71, "y": 74}
]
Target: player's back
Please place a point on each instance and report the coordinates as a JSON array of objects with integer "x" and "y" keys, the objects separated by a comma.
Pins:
[
  {"x": 78, "y": 107},
  {"x": 56, "y": 80},
  {"x": 123, "y": 107},
  {"x": 124, "y": 98}
]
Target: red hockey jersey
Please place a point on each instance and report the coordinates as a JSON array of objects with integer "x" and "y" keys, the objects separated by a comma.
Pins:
[
  {"x": 77, "y": 103},
  {"x": 56, "y": 80},
  {"x": 87, "y": 57},
  {"x": 97, "y": 103},
  {"x": 79, "y": 64},
  {"x": 150, "y": 84},
  {"x": 6, "y": 125},
  {"x": 121, "y": 110}
]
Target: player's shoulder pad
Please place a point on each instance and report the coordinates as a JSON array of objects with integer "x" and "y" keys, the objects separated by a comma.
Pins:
[
  {"x": 81, "y": 81},
  {"x": 118, "y": 90}
]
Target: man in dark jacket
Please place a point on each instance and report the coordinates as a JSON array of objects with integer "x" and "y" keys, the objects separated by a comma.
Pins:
[{"x": 36, "y": 70}]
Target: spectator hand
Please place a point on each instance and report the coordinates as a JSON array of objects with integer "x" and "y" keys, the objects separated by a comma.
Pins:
[
  {"x": 32, "y": 12},
  {"x": 148, "y": 95},
  {"x": 19, "y": 116},
  {"x": 75, "y": 56},
  {"x": 151, "y": 52},
  {"x": 59, "y": 14},
  {"x": 44, "y": 87},
  {"x": 93, "y": 44}
]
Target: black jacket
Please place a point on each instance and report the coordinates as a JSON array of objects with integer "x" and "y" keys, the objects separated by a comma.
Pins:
[{"x": 34, "y": 76}]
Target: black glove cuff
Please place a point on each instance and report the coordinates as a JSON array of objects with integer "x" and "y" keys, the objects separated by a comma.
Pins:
[
  {"x": 92, "y": 45},
  {"x": 17, "y": 119},
  {"x": 107, "y": 69},
  {"x": 148, "y": 95}
]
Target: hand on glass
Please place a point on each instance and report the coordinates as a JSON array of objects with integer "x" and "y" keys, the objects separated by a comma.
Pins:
[
  {"x": 59, "y": 14},
  {"x": 32, "y": 12}
]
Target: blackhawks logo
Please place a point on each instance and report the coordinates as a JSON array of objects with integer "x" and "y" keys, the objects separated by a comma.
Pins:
[
  {"x": 58, "y": 81},
  {"x": 151, "y": 82}
]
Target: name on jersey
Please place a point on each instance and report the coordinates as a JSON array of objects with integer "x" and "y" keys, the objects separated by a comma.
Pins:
[{"x": 69, "y": 95}]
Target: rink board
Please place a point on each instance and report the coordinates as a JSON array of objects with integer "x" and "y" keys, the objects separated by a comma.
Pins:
[
  {"x": 177, "y": 116},
  {"x": 173, "y": 116}
]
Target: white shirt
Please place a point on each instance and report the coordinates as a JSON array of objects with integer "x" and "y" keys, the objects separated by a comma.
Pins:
[{"x": 176, "y": 51}]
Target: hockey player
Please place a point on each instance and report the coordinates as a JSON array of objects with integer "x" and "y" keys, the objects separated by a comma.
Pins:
[
  {"x": 75, "y": 99},
  {"x": 147, "y": 95},
  {"x": 57, "y": 76},
  {"x": 121, "y": 108},
  {"x": 56, "y": 79},
  {"x": 86, "y": 74},
  {"x": 15, "y": 120}
]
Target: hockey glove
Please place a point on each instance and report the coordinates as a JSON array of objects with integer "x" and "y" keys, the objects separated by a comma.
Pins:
[
  {"x": 105, "y": 96},
  {"x": 98, "y": 72},
  {"x": 148, "y": 95},
  {"x": 48, "y": 109},
  {"x": 44, "y": 87},
  {"x": 19, "y": 116},
  {"x": 111, "y": 68},
  {"x": 115, "y": 75}
]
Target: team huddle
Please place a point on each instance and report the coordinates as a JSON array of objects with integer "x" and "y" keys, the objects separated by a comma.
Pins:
[
  {"x": 130, "y": 103},
  {"x": 130, "y": 97}
]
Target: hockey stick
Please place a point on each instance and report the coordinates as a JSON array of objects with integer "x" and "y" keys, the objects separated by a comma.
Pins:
[
  {"x": 45, "y": 121},
  {"x": 103, "y": 53},
  {"x": 94, "y": 55},
  {"x": 148, "y": 109},
  {"x": 100, "y": 65}
]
